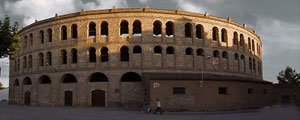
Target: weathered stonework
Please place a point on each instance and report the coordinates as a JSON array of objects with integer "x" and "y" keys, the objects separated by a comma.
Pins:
[{"x": 119, "y": 93}]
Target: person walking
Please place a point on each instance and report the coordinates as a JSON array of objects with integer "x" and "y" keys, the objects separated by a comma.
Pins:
[{"x": 158, "y": 107}]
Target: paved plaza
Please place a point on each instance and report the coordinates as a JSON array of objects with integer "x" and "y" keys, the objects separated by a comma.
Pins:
[{"x": 17, "y": 112}]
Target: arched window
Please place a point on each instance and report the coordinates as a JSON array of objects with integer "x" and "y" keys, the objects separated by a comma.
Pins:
[
  {"x": 188, "y": 51},
  {"x": 64, "y": 56},
  {"x": 200, "y": 52},
  {"x": 42, "y": 37},
  {"x": 98, "y": 77},
  {"x": 104, "y": 29},
  {"x": 74, "y": 55},
  {"x": 16, "y": 83},
  {"x": 137, "y": 28},
  {"x": 27, "y": 81},
  {"x": 92, "y": 54},
  {"x": 48, "y": 59},
  {"x": 124, "y": 30},
  {"x": 188, "y": 30},
  {"x": 170, "y": 29},
  {"x": 30, "y": 61},
  {"x": 24, "y": 62},
  {"x": 69, "y": 78},
  {"x": 25, "y": 41},
  {"x": 224, "y": 54},
  {"x": 64, "y": 33},
  {"x": 253, "y": 45},
  {"x": 170, "y": 50},
  {"x": 224, "y": 35},
  {"x": 44, "y": 79},
  {"x": 249, "y": 43},
  {"x": 250, "y": 63},
  {"x": 74, "y": 31},
  {"x": 137, "y": 49},
  {"x": 157, "y": 28},
  {"x": 199, "y": 31},
  {"x": 243, "y": 57},
  {"x": 124, "y": 53},
  {"x": 235, "y": 38},
  {"x": 157, "y": 49},
  {"x": 31, "y": 39},
  {"x": 104, "y": 54},
  {"x": 131, "y": 77},
  {"x": 236, "y": 56},
  {"x": 242, "y": 40},
  {"x": 92, "y": 29},
  {"x": 215, "y": 34},
  {"x": 49, "y": 31},
  {"x": 41, "y": 59},
  {"x": 216, "y": 54}
]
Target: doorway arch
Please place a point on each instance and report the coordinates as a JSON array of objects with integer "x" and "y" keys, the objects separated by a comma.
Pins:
[{"x": 98, "y": 98}]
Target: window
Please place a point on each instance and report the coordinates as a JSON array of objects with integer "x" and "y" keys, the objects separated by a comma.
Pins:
[
  {"x": 249, "y": 43},
  {"x": 63, "y": 32},
  {"x": 137, "y": 49},
  {"x": 42, "y": 37},
  {"x": 223, "y": 90},
  {"x": 188, "y": 30},
  {"x": 64, "y": 56},
  {"x": 200, "y": 52},
  {"x": 24, "y": 62},
  {"x": 250, "y": 90},
  {"x": 31, "y": 39},
  {"x": 49, "y": 31},
  {"x": 170, "y": 50},
  {"x": 124, "y": 53},
  {"x": 235, "y": 38},
  {"x": 243, "y": 57},
  {"x": 224, "y": 35},
  {"x": 253, "y": 45},
  {"x": 215, "y": 34},
  {"x": 199, "y": 31},
  {"x": 92, "y": 29},
  {"x": 216, "y": 54},
  {"x": 48, "y": 59},
  {"x": 188, "y": 51},
  {"x": 104, "y": 54},
  {"x": 250, "y": 63},
  {"x": 30, "y": 61},
  {"x": 224, "y": 54},
  {"x": 236, "y": 56},
  {"x": 178, "y": 90},
  {"x": 137, "y": 28},
  {"x": 254, "y": 64},
  {"x": 157, "y": 28},
  {"x": 74, "y": 31},
  {"x": 242, "y": 41},
  {"x": 170, "y": 29},
  {"x": 104, "y": 29},
  {"x": 92, "y": 54},
  {"x": 41, "y": 59},
  {"x": 157, "y": 49},
  {"x": 74, "y": 55},
  {"x": 124, "y": 28}
]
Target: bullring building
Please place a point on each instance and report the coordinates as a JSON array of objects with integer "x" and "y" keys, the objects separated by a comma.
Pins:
[{"x": 131, "y": 57}]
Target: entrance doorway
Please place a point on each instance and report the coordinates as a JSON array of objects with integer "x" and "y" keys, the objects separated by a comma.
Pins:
[
  {"x": 27, "y": 98},
  {"x": 98, "y": 98},
  {"x": 68, "y": 98}
]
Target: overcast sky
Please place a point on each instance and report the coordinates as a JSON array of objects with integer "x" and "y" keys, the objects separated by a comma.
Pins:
[{"x": 277, "y": 22}]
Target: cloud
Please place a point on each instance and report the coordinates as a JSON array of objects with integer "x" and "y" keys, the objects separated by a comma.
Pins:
[
  {"x": 31, "y": 10},
  {"x": 189, "y": 6},
  {"x": 144, "y": 1}
]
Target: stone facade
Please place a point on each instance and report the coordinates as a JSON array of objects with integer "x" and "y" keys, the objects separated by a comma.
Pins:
[{"x": 113, "y": 51}]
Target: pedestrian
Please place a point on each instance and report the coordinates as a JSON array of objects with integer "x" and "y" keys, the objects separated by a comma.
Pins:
[{"x": 158, "y": 107}]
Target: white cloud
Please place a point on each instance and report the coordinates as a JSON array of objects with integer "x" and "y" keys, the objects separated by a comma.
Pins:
[
  {"x": 42, "y": 9},
  {"x": 144, "y": 1},
  {"x": 190, "y": 6}
]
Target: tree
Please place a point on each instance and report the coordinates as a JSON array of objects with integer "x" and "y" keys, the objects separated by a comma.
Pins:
[
  {"x": 1, "y": 86},
  {"x": 8, "y": 37},
  {"x": 289, "y": 77}
]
